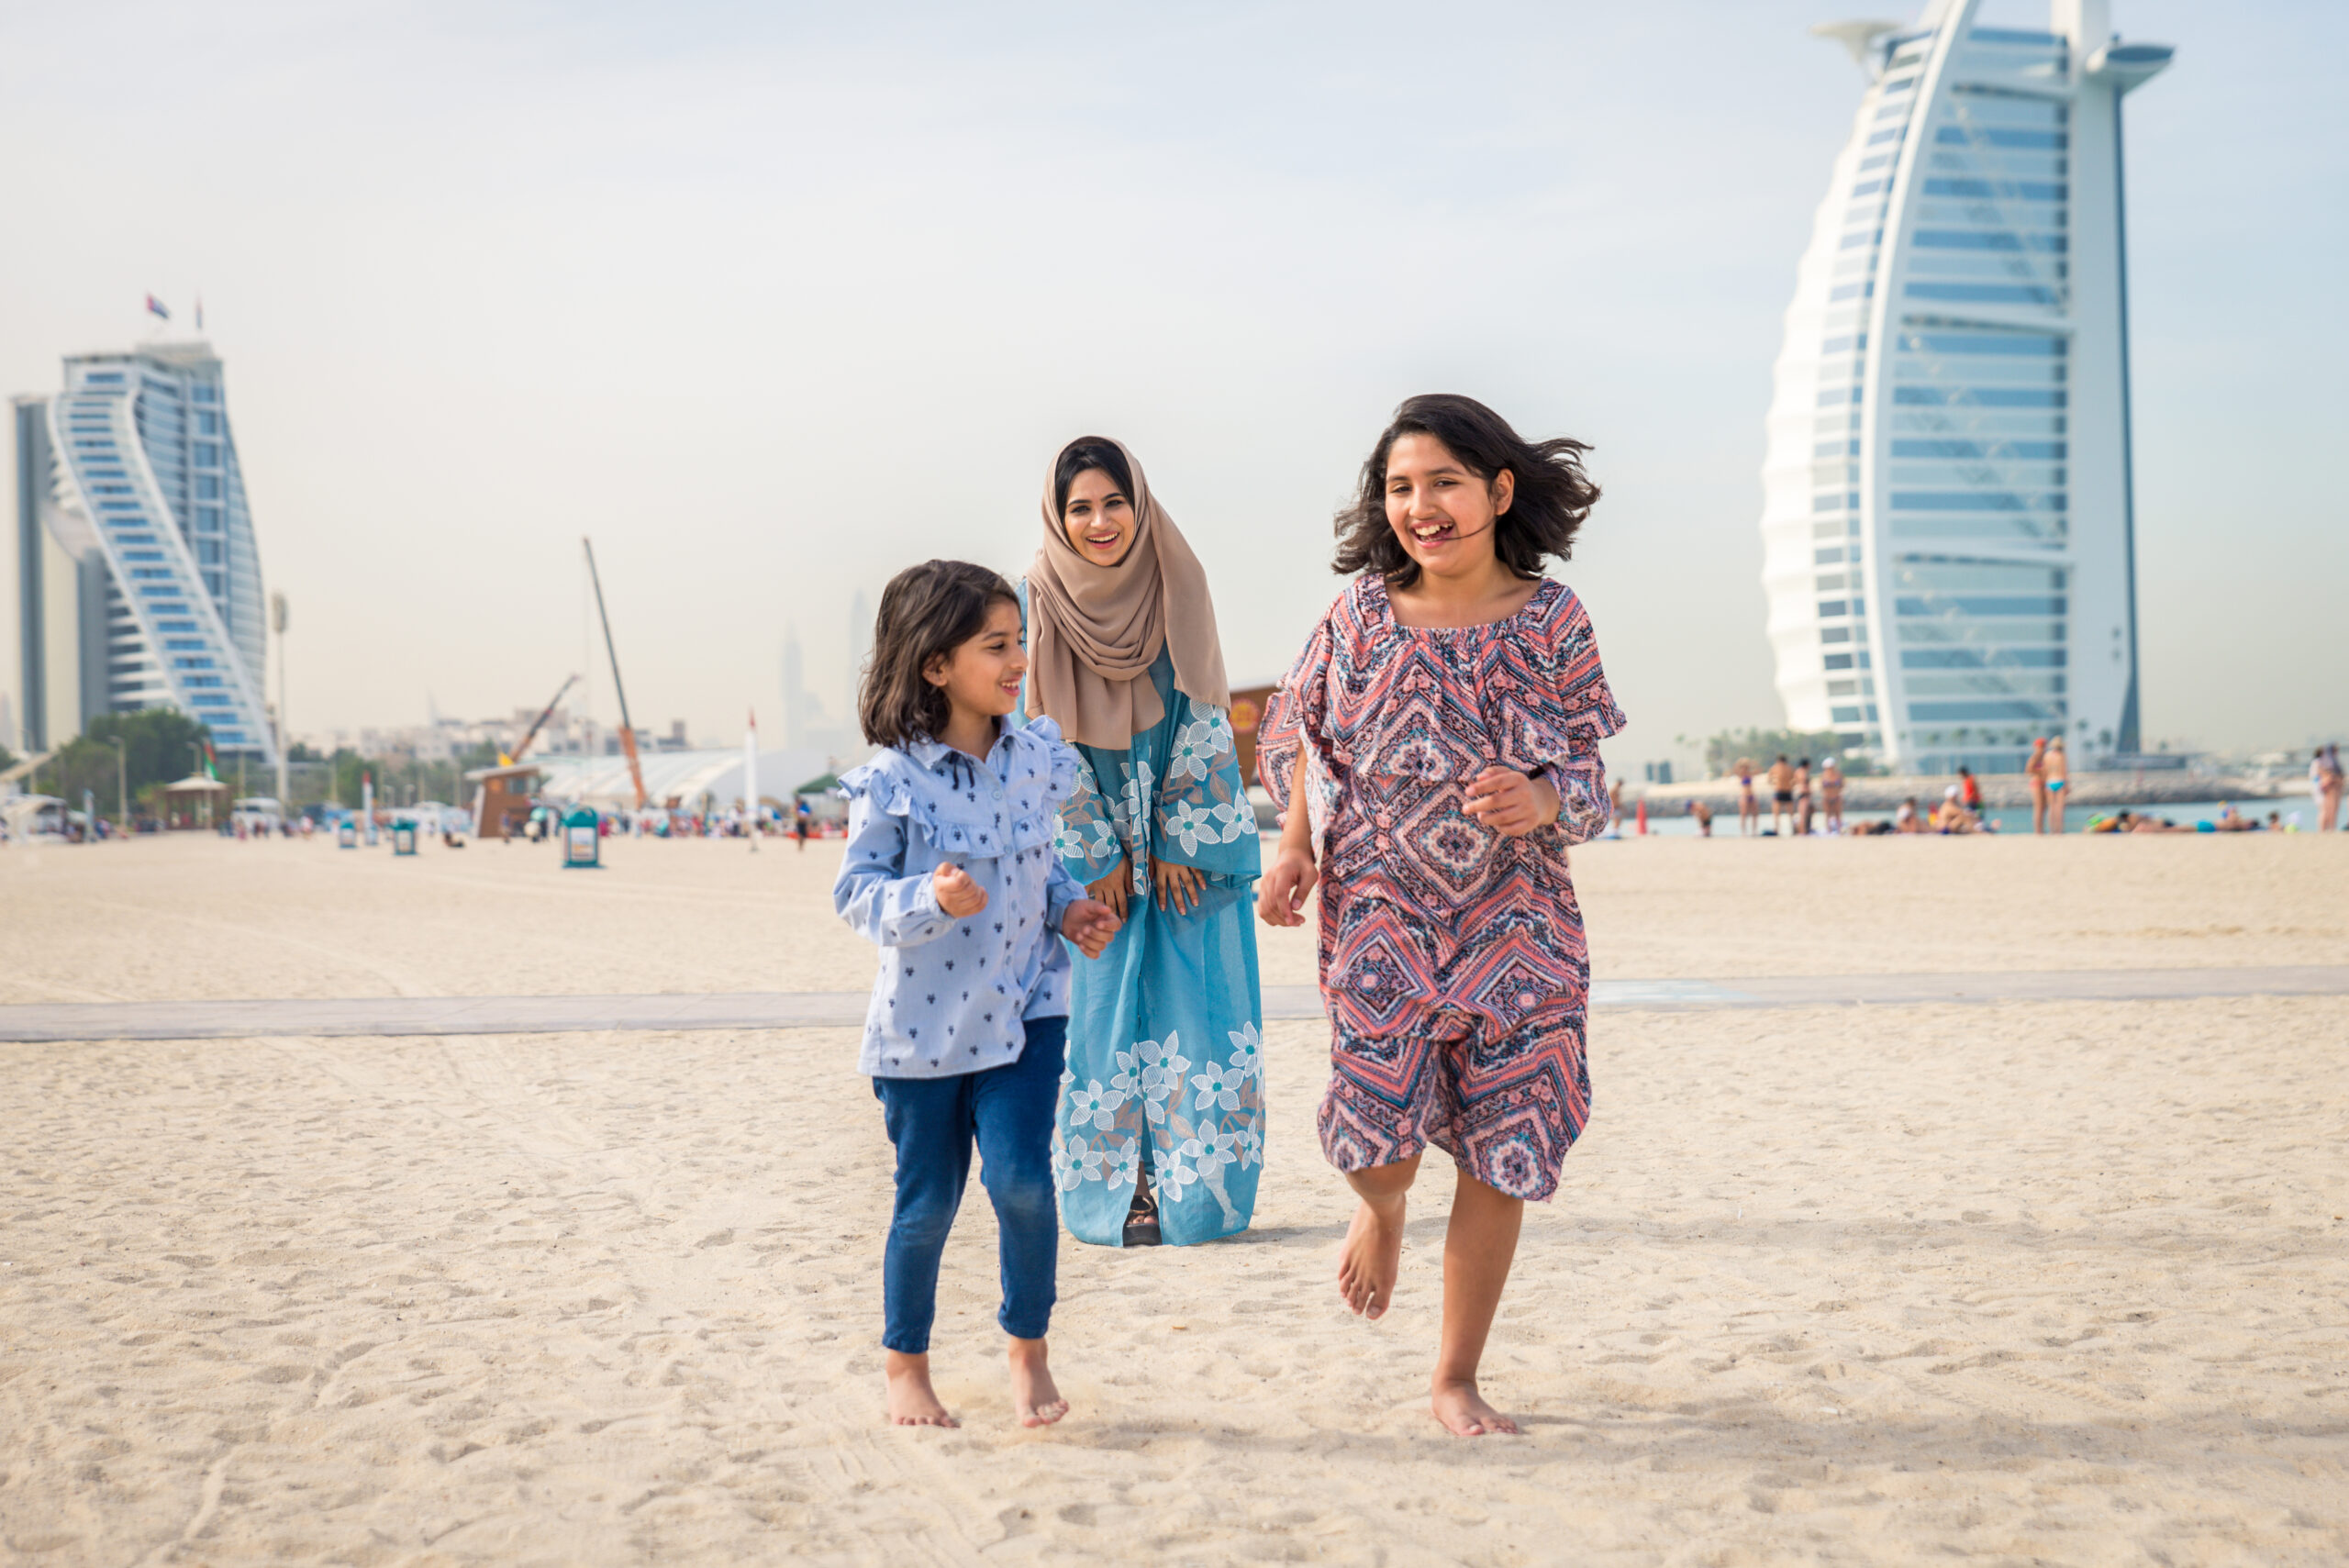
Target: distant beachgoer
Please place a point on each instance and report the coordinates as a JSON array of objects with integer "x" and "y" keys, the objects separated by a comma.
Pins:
[
  {"x": 1749, "y": 810},
  {"x": 1952, "y": 816},
  {"x": 1129, "y": 660},
  {"x": 1802, "y": 798},
  {"x": 1831, "y": 792},
  {"x": 1782, "y": 794},
  {"x": 2058, "y": 775},
  {"x": 1704, "y": 816},
  {"x": 802, "y": 817},
  {"x": 2119, "y": 822},
  {"x": 1969, "y": 790},
  {"x": 1906, "y": 820},
  {"x": 2035, "y": 770},
  {"x": 963, "y": 1037},
  {"x": 1452, "y": 959},
  {"x": 2324, "y": 783}
]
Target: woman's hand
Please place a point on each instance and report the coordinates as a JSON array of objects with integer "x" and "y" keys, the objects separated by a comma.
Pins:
[
  {"x": 1089, "y": 923},
  {"x": 1178, "y": 886},
  {"x": 957, "y": 894},
  {"x": 1510, "y": 804},
  {"x": 1111, "y": 889},
  {"x": 1280, "y": 897}
]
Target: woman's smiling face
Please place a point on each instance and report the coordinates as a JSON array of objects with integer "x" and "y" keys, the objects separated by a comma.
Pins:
[{"x": 1099, "y": 519}]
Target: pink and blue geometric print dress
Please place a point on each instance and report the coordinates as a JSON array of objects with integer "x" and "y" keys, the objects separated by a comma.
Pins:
[
  {"x": 1452, "y": 959},
  {"x": 1165, "y": 1063}
]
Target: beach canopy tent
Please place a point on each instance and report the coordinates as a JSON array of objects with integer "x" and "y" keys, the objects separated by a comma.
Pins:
[
  {"x": 501, "y": 800},
  {"x": 681, "y": 778},
  {"x": 822, "y": 798},
  {"x": 32, "y": 816},
  {"x": 193, "y": 797}
]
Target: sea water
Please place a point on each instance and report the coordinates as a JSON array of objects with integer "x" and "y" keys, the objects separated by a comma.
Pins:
[{"x": 2010, "y": 818}]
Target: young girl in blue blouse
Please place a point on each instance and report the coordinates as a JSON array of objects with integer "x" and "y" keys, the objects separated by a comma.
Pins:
[{"x": 949, "y": 869}]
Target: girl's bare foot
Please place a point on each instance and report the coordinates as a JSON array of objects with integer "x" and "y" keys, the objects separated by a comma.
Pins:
[
  {"x": 912, "y": 1401},
  {"x": 1465, "y": 1414},
  {"x": 1371, "y": 1256},
  {"x": 1035, "y": 1399}
]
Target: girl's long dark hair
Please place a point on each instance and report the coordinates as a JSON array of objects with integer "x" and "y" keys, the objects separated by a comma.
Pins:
[
  {"x": 926, "y": 611},
  {"x": 1553, "y": 497}
]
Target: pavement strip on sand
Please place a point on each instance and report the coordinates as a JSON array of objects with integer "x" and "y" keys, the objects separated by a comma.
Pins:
[{"x": 391, "y": 1017}]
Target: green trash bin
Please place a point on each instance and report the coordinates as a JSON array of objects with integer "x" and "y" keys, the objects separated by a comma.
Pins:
[
  {"x": 583, "y": 841},
  {"x": 404, "y": 838}
]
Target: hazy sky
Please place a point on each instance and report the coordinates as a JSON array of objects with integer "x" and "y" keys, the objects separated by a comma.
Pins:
[{"x": 772, "y": 301}]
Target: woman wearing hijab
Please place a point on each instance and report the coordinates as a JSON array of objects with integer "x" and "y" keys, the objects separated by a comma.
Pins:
[{"x": 1161, "y": 1133}]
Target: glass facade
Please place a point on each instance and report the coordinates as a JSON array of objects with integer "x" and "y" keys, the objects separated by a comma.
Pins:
[
  {"x": 145, "y": 454},
  {"x": 1947, "y": 553}
]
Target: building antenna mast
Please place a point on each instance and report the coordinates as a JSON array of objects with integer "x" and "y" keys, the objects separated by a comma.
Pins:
[{"x": 628, "y": 726}]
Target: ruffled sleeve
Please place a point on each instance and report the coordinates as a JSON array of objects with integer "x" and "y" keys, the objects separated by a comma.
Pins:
[
  {"x": 872, "y": 892},
  {"x": 1577, "y": 712},
  {"x": 1296, "y": 720}
]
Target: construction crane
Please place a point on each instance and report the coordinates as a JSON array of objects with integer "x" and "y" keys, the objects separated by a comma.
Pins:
[
  {"x": 538, "y": 724},
  {"x": 628, "y": 726}
]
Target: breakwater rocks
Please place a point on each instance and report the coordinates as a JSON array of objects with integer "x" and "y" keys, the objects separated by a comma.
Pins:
[{"x": 1884, "y": 793}]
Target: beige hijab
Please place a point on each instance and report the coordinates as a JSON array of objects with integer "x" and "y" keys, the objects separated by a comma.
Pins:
[{"x": 1095, "y": 630}]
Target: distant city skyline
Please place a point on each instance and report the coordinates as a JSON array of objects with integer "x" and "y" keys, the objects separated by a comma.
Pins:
[{"x": 773, "y": 303}]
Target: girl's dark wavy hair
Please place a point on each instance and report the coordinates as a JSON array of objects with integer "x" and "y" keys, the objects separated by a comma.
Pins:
[
  {"x": 1553, "y": 494},
  {"x": 926, "y": 611},
  {"x": 1090, "y": 451}
]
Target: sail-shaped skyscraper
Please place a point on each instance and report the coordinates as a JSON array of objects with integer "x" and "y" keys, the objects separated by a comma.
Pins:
[{"x": 1948, "y": 547}]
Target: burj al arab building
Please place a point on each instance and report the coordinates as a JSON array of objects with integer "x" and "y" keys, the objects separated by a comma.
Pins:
[{"x": 1947, "y": 523}]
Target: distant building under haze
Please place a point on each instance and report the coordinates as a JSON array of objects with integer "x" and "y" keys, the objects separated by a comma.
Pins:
[
  {"x": 1948, "y": 518},
  {"x": 137, "y": 580}
]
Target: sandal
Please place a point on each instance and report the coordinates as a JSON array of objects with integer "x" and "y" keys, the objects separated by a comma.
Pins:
[{"x": 1141, "y": 1219}]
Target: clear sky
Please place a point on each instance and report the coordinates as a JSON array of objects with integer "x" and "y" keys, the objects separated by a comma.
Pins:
[{"x": 775, "y": 300}]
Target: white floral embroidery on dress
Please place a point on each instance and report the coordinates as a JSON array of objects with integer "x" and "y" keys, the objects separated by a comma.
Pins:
[
  {"x": 1213, "y": 1150},
  {"x": 1122, "y": 1164},
  {"x": 1176, "y": 1176},
  {"x": 1074, "y": 1163},
  {"x": 1134, "y": 820},
  {"x": 1094, "y": 1104},
  {"x": 1248, "y": 1052},
  {"x": 1191, "y": 827},
  {"x": 1219, "y": 1087},
  {"x": 1198, "y": 748},
  {"x": 1162, "y": 1074}
]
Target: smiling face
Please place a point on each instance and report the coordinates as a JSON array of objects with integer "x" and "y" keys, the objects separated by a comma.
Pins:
[
  {"x": 1442, "y": 513},
  {"x": 1099, "y": 518},
  {"x": 982, "y": 675}
]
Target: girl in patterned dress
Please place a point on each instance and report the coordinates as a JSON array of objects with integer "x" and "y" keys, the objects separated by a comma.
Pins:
[
  {"x": 1160, "y": 1131},
  {"x": 1436, "y": 748}
]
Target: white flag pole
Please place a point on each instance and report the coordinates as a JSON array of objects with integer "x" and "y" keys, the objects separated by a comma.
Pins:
[{"x": 751, "y": 780}]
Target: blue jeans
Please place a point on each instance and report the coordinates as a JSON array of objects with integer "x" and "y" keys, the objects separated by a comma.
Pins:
[{"x": 933, "y": 1122}]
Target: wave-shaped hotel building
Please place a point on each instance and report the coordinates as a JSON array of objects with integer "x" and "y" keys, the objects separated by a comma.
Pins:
[
  {"x": 137, "y": 579},
  {"x": 1947, "y": 522}
]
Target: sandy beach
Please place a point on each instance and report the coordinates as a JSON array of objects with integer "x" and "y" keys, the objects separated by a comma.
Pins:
[{"x": 2054, "y": 1282}]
